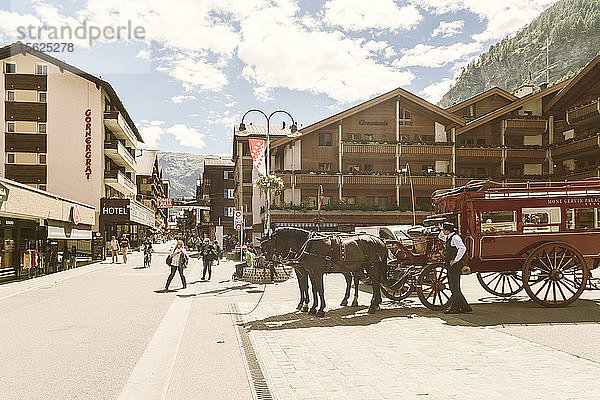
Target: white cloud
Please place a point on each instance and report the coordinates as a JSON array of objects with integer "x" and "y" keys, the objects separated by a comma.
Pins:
[
  {"x": 227, "y": 120},
  {"x": 181, "y": 98},
  {"x": 434, "y": 92},
  {"x": 425, "y": 55},
  {"x": 504, "y": 17},
  {"x": 153, "y": 131},
  {"x": 342, "y": 68},
  {"x": 358, "y": 15},
  {"x": 144, "y": 54},
  {"x": 194, "y": 71},
  {"x": 448, "y": 29},
  {"x": 263, "y": 94},
  {"x": 229, "y": 105}
]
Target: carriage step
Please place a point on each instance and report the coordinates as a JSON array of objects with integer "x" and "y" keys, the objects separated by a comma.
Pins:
[{"x": 593, "y": 284}]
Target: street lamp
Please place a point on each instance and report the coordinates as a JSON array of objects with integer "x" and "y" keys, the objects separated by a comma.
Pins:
[
  {"x": 293, "y": 129},
  {"x": 406, "y": 171}
]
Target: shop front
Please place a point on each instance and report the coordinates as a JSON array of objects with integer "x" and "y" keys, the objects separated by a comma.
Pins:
[
  {"x": 35, "y": 229},
  {"x": 128, "y": 217}
]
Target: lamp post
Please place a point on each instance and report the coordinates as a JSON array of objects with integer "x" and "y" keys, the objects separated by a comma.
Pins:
[
  {"x": 406, "y": 170},
  {"x": 293, "y": 129}
]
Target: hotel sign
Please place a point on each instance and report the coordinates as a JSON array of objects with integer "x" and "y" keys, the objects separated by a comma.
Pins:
[
  {"x": 164, "y": 203},
  {"x": 88, "y": 143}
]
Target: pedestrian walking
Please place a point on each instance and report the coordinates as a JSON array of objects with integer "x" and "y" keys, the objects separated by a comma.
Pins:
[
  {"x": 66, "y": 258},
  {"x": 148, "y": 250},
  {"x": 209, "y": 254},
  {"x": 124, "y": 247},
  {"x": 219, "y": 251},
  {"x": 73, "y": 256},
  {"x": 454, "y": 253},
  {"x": 114, "y": 249},
  {"x": 178, "y": 262}
]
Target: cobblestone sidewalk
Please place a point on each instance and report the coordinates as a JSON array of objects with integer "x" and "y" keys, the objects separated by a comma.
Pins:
[{"x": 404, "y": 353}]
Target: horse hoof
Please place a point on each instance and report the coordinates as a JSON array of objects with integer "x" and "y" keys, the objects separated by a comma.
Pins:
[
  {"x": 320, "y": 313},
  {"x": 355, "y": 303},
  {"x": 312, "y": 311},
  {"x": 344, "y": 303},
  {"x": 305, "y": 308},
  {"x": 299, "y": 307},
  {"x": 373, "y": 310}
]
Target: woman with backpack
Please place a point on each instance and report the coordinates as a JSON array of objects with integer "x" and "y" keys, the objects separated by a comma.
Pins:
[
  {"x": 209, "y": 254},
  {"x": 177, "y": 260}
]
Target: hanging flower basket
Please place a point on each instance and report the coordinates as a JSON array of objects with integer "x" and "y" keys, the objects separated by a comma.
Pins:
[{"x": 271, "y": 183}]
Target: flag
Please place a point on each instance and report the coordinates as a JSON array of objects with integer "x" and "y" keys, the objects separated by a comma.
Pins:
[
  {"x": 320, "y": 197},
  {"x": 257, "y": 151}
]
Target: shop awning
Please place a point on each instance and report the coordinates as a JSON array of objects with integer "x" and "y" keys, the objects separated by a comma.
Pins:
[{"x": 62, "y": 230}]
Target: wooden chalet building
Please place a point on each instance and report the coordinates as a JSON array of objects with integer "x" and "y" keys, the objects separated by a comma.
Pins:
[{"x": 371, "y": 157}]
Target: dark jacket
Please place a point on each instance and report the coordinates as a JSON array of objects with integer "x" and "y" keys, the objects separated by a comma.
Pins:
[{"x": 209, "y": 252}]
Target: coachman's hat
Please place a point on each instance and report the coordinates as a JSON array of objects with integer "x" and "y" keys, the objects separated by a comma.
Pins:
[{"x": 448, "y": 226}]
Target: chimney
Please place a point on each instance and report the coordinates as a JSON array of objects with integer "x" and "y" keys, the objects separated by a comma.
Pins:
[{"x": 543, "y": 85}]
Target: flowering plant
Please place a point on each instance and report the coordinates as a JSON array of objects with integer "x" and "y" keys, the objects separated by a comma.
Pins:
[{"x": 271, "y": 182}]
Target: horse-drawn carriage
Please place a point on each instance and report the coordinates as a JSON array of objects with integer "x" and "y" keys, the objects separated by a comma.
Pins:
[{"x": 542, "y": 237}]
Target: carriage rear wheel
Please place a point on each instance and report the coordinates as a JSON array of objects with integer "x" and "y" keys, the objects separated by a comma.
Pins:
[
  {"x": 433, "y": 288},
  {"x": 555, "y": 274},
  {"x": 402, "y": 292},
  {"x": 504, "y": 284}
]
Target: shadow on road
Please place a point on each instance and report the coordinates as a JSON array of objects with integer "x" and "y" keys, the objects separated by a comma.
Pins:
[
  {"x": 251, "y": 289},
  {"x": 517, "y": 311}
]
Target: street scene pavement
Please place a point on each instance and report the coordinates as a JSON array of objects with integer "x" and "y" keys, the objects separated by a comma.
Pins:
[{"x": 106, "y": 331}]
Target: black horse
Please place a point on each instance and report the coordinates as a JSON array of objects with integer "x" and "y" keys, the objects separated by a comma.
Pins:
[
  {"x": 284, "y": 245},
  {"x": 345, "y": 254}
]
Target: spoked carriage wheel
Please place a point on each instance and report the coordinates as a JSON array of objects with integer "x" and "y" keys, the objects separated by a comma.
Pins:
[
  {"x": 555, "y": 274},
  {"x": 433, "y": 288},
  {"x": 503, "y": 284},
  {"x": 402, "y": 292}
]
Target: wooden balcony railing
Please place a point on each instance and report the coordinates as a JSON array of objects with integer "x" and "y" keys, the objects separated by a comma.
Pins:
[
  {"x": 525, "y": 125},
  {"x": 420, "y": 150},
  {"x": 371, "y": 149},
  {"x": 567, "y": 150},
  {"x": 369, "y": 180},
  {"x": 526, "y": 155},
  {"x": 490, "y": 155},
  {"x": 316, "y": 179},
  {"x": 434, "y": 182},
  {"x": 583, "y": 113}
]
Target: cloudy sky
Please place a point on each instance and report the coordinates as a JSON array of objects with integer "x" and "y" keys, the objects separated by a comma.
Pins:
[{"x": 193, "y": 67}]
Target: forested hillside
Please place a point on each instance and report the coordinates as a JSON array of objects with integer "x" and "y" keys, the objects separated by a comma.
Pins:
[{"x": 573, "y": 30}]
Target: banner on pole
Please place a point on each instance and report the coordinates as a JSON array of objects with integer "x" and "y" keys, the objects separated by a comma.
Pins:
[{"x": 257, "y": 151}]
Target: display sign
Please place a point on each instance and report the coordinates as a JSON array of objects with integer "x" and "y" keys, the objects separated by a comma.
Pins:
[
  {"x": 75, "y": 214},
  {"x": 238, "y": 220},
  {"x": 372, "y": 123},
  {"x": 88, "y": 143},
  {"x": 3, "y": 193},
  {"x": 114, "y": 210},
  {"x": 164, "y": 203}
]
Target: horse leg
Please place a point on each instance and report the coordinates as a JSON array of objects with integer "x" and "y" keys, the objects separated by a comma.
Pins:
[
  {"x": 348, "y": 287},
  {"x": 306, "y": 297},
  {"x": 313, "y": 309},
  {"x": 376, "y": 299},
  {"x": 302, "y": 282},
  {"x": 355, "y": 301},
  {"x": 321, "y": 291}
]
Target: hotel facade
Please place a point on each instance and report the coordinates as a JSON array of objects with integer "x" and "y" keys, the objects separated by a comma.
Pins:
[
  {"x": 67, "y": 132},
  {"x": 376, "y": 160}
]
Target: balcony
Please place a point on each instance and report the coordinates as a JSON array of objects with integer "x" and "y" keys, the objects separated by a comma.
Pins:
[
  {"x": 370, "y": 180},
  {"x": 429, "y": 182},
  {"x": 119, "y": 127},
  {"x": 425, "y": 150},
  {"x": 370, "y": 149},
  {"x": 26, "y": 82},
  {"x": 31, "y": 143},
  {"x": 119, "y": 154},
  {"x": 120, "y": 182},
  {"x": 530, "y": 156},
  {"x": 482, "y": 154},
  {"x": 580, "y": 174},
  {"x": 577, "y": 146},
  {"x": 527, "y": 126},
  {"x": 25, "y": 111},
  {"x": 27, "y": 174},
  {"x": 584, "y": 113},
  {"x": 316, "y": 179}
]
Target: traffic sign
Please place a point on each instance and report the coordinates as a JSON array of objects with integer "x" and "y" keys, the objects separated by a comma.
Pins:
[{"x": 238, "y": 227}]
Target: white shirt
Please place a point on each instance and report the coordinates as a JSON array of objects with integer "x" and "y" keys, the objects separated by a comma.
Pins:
[{"x": 457, "y": 242}]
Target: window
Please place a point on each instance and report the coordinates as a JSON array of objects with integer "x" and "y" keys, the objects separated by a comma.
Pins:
[
  {"x": 466, "y": 171},
  {"x": 42, "y": 97},
  {"x": 542, "y": 219},
  {"x": 42, "y": 159},
  {"x": 349, "y": 200},
  {"x": 403, "y": 138},
  {"x": 427, "y": 168},
  {"x": 369, "y": 167},
  {"x": 41, "y": 127},
  {"x": 225, "y": 194},
  {"x": 405, "y": 118},
  {"x": 10, "y": 127},
  {"x": 353, "y": 136},
  {"x": 10, "y": 68},
  {"x": 369, "y": 137},
  {"x": 325, "y": 139},
  {"x": 428, "y": 138},
  {"x": 481, "y": 172},
  {"x": 225, "y": 174},
  {"x": 10, "y": 158},
  {"x": 230, "y": 193},
  {"x": 354, "y": 168},
  {"x": 481, "y": 142},
  {"x": 324, "y": 166},
  {"x": 498, "y": 221},
  {"x": 41, "y": 69},
  {"x": 582, "y": 218},
  {"x": 10, "y": 95}
]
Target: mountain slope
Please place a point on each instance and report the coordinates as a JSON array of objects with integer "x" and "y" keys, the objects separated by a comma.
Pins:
[
  {"x": 572, "y": 27},
  {"x": 182, "y": 170}
]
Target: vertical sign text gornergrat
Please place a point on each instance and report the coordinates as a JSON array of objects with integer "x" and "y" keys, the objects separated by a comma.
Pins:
[{"x": 88, "y": 143}]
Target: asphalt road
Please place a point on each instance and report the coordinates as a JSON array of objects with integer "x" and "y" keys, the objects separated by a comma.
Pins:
[{"x": 102, "y": 332}]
